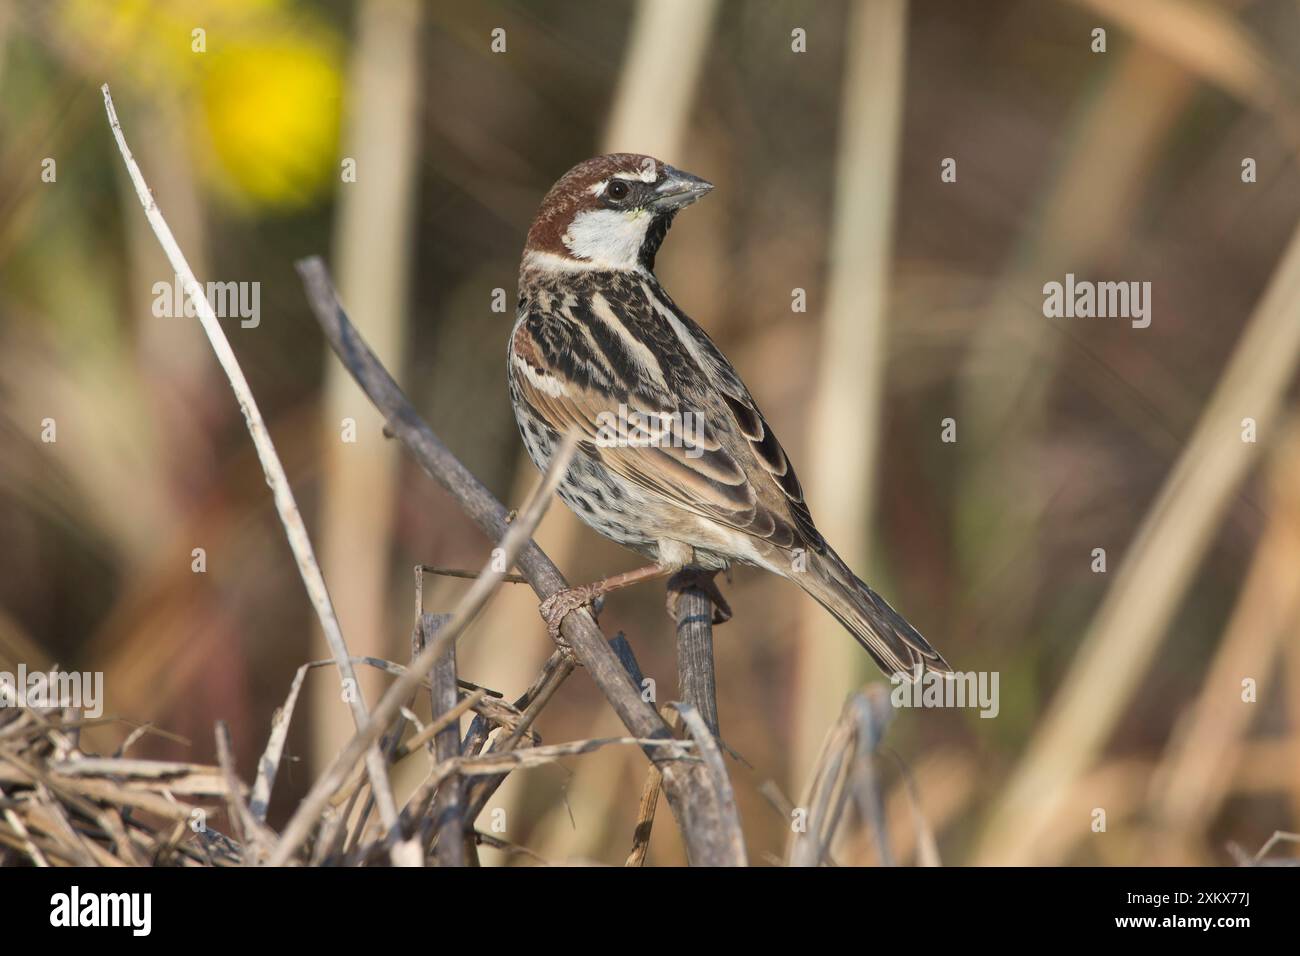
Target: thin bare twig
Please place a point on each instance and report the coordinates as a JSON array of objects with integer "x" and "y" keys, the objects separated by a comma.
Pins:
[
  {"x": 469, "y": 575},
  {"x": 442, "y": 721},
  {"x": 1279, "y": 836},
  {"x": 286, "y": 506}
]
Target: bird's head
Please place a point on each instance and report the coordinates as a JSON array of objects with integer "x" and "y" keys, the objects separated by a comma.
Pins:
[{"x": 611, "y": 212}]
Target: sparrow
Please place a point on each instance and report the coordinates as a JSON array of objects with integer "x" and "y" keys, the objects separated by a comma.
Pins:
[{"x": 674, "y": 459}]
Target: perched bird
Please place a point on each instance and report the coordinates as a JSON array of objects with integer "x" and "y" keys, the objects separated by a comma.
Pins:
[{"x": 675, "y": 460}]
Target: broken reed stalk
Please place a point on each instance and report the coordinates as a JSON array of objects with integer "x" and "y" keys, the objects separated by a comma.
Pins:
[
  {"x": 709, "y": 822},
  {"x": 645, "y": 816},
  {"x": 475, "y": 794},
  {"x": 445, "y": 826},
  {"x": 845, "y": 775},
  {"x": 448, "y": 806},
  {"x": 285, "y": 505}
]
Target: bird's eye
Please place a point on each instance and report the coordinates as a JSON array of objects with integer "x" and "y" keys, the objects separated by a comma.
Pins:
[{"x": 617, "y": 190}]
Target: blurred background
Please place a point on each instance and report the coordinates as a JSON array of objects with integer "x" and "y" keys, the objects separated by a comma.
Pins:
[{"x": 865, "y": 296}]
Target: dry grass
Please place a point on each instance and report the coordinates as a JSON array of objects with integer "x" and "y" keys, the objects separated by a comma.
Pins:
[{"x": 64, "y": 807}]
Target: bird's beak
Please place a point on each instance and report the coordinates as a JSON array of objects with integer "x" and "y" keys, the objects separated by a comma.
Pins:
[{"x": 678, "y": 189}]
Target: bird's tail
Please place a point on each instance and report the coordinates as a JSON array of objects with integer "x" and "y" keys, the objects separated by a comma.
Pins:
[{"x": 893, "y": 644}]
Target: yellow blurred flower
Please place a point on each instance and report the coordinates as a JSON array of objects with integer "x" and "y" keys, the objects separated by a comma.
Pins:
[
  {"x": 272, "y": 113},
  {"x": 264, "y": 90}
]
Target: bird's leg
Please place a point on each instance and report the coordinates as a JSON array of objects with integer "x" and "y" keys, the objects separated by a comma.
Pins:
[
  {"x": 563, "y": 603},
  {"x": 703, "y": 581}
]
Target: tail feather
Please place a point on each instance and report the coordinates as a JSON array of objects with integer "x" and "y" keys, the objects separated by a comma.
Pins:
[{"x": 895, "y": 645}]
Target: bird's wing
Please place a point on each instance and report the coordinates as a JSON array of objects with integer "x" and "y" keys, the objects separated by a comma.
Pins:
[
  {"x": 772, "y": 474},
  {"x": 714, "y": 455}
]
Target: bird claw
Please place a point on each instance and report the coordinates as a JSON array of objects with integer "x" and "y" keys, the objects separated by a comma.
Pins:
[
  {"x": 563, "y": 603},
  {"x": 703, "y": 581}
]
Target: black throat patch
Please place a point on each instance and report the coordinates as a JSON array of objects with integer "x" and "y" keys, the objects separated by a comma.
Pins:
[{"x": 654, "y": 238}]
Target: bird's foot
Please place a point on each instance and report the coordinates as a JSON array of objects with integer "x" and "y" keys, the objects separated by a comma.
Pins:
[
  {"x": 703, "y": 581},
  {"x": 563, "y": 603}
]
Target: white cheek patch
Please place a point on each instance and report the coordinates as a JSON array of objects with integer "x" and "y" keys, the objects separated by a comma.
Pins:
[{"x": 610, "y": 238}]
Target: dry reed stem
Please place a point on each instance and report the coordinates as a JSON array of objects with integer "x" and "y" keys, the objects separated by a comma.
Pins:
[
  {"x": 286, "y": 506},
  {"x": 1196, "y": 774},
  {"x": 652, "y": 101},
  {"x": 1124, "y": 635},
  {"x": 373, "y": 225},
  {"x": 845, "y": 773},
  {"x": 1006, "y": 381},
  {"x": 1211, "y": 42},
  {"x": 844, "y": 413}
]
